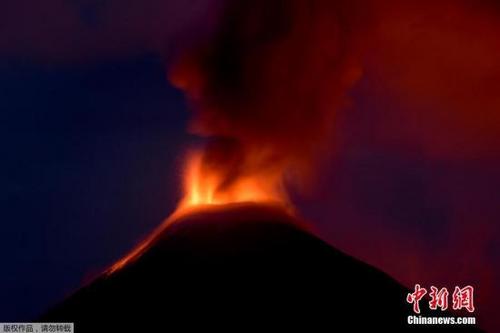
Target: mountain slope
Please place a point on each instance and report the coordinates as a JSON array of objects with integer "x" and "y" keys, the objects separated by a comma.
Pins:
[{"x": 233, "y": 268}]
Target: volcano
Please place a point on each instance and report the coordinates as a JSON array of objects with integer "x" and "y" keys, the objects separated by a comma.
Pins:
[{"x": 235, "y": 267}]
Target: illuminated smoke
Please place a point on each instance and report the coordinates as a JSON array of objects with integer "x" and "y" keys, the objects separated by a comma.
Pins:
[{"x": 265, "y": 90}]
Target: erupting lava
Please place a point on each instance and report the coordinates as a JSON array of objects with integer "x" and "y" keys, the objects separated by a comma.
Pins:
[
  {"x": 264, "y": 93},
  {"x": 203, "y": 186}
]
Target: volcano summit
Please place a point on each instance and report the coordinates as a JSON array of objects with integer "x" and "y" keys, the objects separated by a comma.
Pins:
[{"x": 237, "y": 266}]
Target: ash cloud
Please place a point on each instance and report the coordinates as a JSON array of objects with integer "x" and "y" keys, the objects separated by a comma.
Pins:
[
  {"x": 270, "y": 81},
  {"x": 269, "y": 89}
]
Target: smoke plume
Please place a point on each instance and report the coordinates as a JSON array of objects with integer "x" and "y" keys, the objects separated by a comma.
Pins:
[{"x": 266, "y": 87}]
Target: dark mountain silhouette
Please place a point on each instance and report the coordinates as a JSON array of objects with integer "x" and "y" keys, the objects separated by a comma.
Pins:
[{"x": 244, "y": 266}]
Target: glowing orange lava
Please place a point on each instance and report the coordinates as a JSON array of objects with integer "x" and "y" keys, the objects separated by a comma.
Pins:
[
  {"x": 203, "y": 187},
  {"x": 203, "y": 190}
]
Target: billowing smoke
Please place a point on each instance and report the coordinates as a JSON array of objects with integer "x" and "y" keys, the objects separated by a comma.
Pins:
[{"x": 266, "y": 87}]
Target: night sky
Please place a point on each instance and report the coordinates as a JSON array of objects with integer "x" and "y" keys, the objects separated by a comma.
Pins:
[
  {"x": 90, "y": 164},
  {"x": 93, "y": 135}
]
